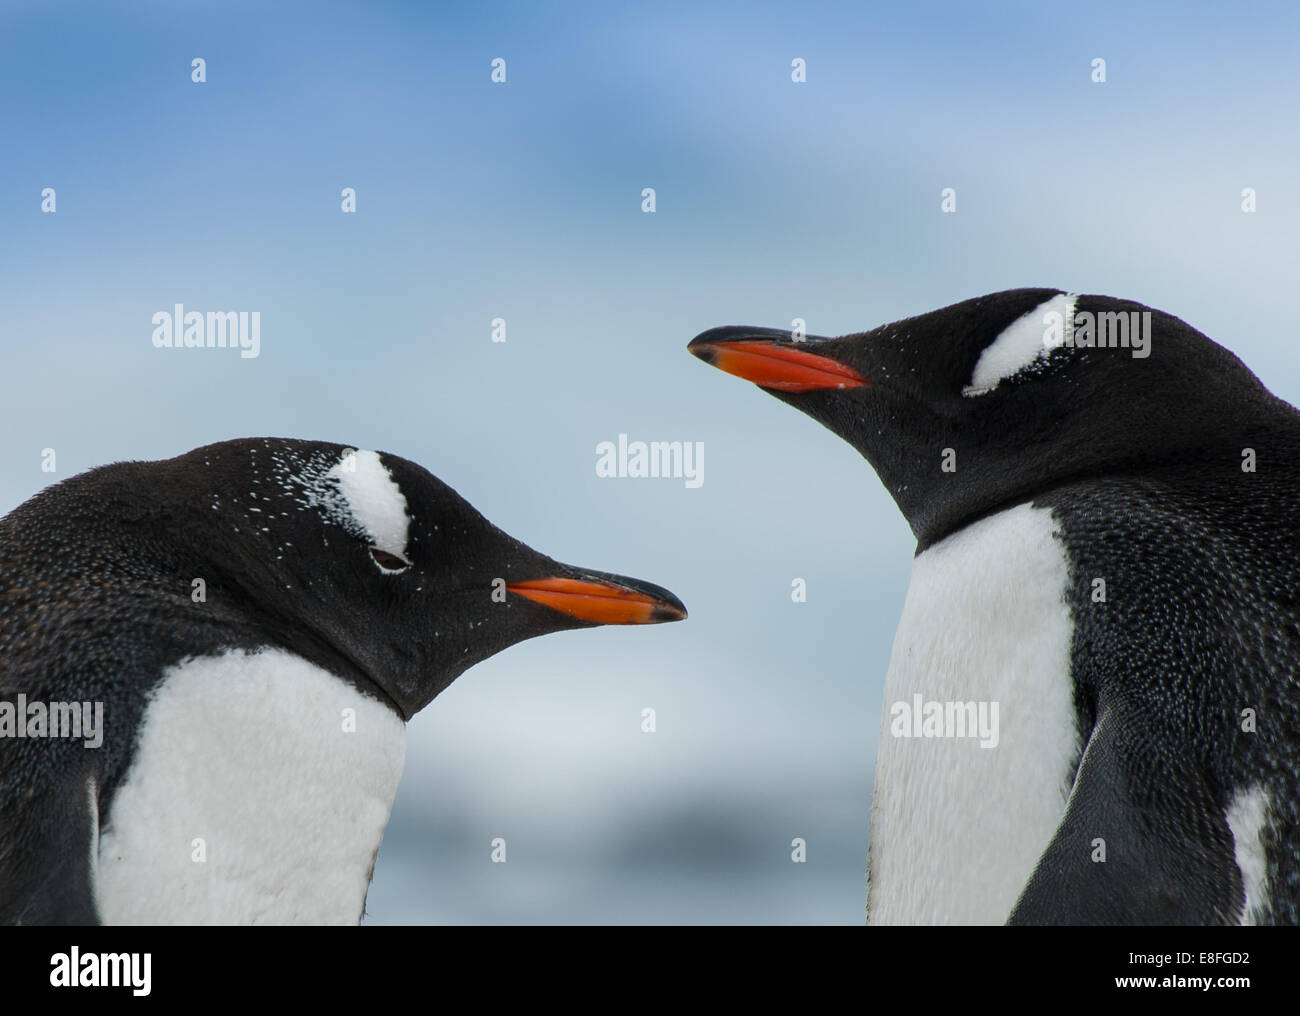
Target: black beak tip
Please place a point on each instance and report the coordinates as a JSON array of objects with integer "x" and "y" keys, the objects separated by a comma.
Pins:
[
  {"x": 703, "y": 350},
  {"x": 668, "y": 607},
  {"x": 734, "y": 333},
  {"x": 672, "y": 609}
]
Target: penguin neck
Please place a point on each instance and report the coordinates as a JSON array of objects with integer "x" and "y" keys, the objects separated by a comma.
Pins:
[{"x": 258, "y": 793}]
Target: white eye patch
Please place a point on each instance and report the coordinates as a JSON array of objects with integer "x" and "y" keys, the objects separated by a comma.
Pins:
[
  {"x": 373, "y": 500},
  {"x": 1021, "y": 344}
]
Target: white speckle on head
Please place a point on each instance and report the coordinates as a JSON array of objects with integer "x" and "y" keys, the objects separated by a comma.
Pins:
[
  {"x": 1021, "y": 344},
  {"x": 354, "y": 491},
  {"x": 1246, "y": 815},
  {"x": 374, "y": 500}
]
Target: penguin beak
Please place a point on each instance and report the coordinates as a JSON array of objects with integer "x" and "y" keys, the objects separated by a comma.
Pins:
[
  {"x": 601, "y": 598},
  {"x": 769, "y": 358}
]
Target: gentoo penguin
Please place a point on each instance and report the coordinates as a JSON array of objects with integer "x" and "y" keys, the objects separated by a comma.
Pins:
[
  {"x": 1092, "y": 708},
  {"x": 254, "y": 621}
]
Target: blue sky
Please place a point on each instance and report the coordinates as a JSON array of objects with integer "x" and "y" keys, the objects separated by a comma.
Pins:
[{"x": 522, "y": 200}]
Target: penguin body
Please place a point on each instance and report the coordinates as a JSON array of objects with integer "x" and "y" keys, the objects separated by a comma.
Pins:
[
  {"x": 1108, "y": 548},
  {"x": 258, "y": 619},
  {"x": 246, "y": 801},
  {"x": 958, "y": 823}
]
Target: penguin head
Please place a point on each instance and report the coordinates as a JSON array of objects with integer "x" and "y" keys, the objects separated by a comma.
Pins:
[
  {"x": 990, "y": 401},
  {"x": 371, "y": 563}
]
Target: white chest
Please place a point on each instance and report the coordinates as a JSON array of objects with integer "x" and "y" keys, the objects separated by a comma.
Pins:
[
  {"x": 258, "y": 794},
  {"x": 958, "y": 822}
]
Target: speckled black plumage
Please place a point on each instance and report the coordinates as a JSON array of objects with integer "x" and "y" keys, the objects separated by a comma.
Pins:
[
  {"x": 1141, "y": 461},
  {"x": 95, "y": 602},
  {"x": 1200, "y": 623}
]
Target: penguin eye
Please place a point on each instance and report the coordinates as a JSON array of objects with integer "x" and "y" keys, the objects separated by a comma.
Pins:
[{"x": 388, "y": 562}]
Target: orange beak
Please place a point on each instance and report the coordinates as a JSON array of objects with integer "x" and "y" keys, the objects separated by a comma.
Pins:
[
  {"x": 783, "y": 367},
  {"x": 601, "y": 601}
]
